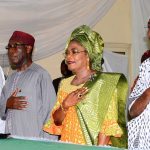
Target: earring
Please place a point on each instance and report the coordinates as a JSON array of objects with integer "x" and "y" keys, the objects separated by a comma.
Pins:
[
  {"x": 88, "y": 64},
  {"x": 88, "y": 68}
]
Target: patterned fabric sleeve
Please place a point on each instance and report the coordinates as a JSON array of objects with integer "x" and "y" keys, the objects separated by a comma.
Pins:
[
  {"x": 110, "y": 126},
  {"x": 138, "y": 128}
]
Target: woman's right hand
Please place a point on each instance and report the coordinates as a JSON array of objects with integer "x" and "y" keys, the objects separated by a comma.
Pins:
[{"x": 74, "y": 97}]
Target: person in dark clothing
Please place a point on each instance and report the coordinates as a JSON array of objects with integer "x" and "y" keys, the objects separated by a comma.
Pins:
[{"x": 65, "y": 73}]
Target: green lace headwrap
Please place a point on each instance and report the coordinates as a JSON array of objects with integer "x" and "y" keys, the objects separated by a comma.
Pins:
[{"x": 92, "y": 42}]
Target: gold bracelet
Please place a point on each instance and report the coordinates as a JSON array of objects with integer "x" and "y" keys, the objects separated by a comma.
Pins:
[{"x": 64, "y": 110}]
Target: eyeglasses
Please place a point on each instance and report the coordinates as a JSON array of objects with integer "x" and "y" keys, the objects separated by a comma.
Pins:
[
  {"x": 16, "y": 45},
  {"x": 74, "y": 52}
]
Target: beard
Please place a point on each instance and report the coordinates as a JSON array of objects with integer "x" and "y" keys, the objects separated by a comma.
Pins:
[
  {"x": 15, "y": 66},
  {"x": 18, "y": 65}
]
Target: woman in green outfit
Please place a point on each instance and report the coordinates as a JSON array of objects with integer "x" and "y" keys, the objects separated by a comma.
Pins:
[{"x": 90, "y": 106}]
